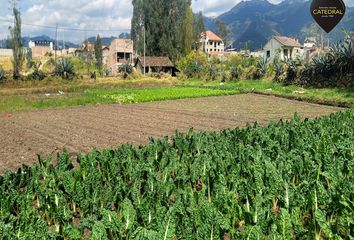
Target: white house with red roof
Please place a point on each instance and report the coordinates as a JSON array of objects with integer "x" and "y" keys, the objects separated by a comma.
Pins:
[
  {"x": 284, "y": 48},
  {"x": 211, "y": 43}
]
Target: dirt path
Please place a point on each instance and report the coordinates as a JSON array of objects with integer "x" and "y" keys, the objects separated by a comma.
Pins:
[{"x": 80, "y": 129}]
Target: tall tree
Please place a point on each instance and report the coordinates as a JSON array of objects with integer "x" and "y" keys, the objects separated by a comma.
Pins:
[
  {"x": 223, "y": 31},
  {"x": 199, "y": 28},
  {"x": 99, "y": 54},
  {"x": 16, "y": 45},
  {"x": 186, "y": 30},
  {"x": 162, "y": 22}
]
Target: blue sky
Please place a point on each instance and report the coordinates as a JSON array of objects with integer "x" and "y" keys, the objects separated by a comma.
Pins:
[{"x": 91, "y": 14}]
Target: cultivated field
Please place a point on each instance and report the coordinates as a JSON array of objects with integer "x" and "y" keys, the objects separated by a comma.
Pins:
[{"x": 79, "y": 129}]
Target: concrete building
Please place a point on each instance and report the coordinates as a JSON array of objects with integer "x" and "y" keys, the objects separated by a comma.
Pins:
[
  {"x": 284, "y": 48},
  {"x": 120, "y": 51},
  {"x": 211, "y": 43},
  {"x": 40, "y": 48}
]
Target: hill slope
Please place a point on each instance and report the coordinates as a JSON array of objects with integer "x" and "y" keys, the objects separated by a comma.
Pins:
[{"x": 255, "y": 21}]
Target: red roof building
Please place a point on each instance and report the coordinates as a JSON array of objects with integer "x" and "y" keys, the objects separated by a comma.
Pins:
[{"x": 211, "y": 43}]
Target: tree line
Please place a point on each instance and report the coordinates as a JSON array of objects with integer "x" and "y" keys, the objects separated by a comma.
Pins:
[{"x": 170, "y": 27}]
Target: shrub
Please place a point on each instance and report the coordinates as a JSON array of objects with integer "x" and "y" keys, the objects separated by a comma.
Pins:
[
  {"x": 194, "y": 64},
  {"x": 250, "y": 73},
  {"x": 128, "y": 68},
  {"x": 37, "y": 74},
  {"x": 212, "y": 72},
  {"x": 64, "y": 69},
  {"x": 223, "y": 76},
  {"x": 2, "y": 74},
  {"x": 234, "y": 73},
  {"x": 330, "y": 69}
]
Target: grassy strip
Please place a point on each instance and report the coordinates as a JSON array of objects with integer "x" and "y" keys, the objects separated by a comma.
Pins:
[
  {"x": 53, "y": 85},
  {"x": 104, "y": 96},
  {"x": 327, "y": 96}
]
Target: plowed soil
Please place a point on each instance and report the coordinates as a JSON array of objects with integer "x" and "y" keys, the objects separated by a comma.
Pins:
[{"x": 80, "y": 129}]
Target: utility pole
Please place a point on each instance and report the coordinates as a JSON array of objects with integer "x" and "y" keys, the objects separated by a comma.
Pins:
[
  {"x": 56, "y": 42},
  {"x": 144, "y": 51},
  {"x": 125, "y": 60},
  {"x": 63, "y": 41}
]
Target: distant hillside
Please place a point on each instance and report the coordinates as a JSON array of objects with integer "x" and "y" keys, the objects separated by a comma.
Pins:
[
  {"x": 253, "y": 22},
  {"x": 107, "y": 40}
]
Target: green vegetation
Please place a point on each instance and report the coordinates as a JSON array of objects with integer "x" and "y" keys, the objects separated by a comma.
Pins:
[
  {"x": 290, "y": 180},
  {"x": 64, "y": 69},
  {"x": 173, "y": 38},
  {"x": 196, "y": 64},
  {"x": 104, "y": 96},
  {"x": 99, "y": 54},
  {"x": 2, "y": 74},
  {"x": 16, "y": 45},
  {"x": 331, "y": 96}
]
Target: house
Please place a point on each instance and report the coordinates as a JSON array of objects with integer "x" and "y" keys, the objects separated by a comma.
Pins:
[
  {"x": 211, "y": 43},
  {"x": 155, "y": 65},
  {"x": 105, "y": 54},
  {"x": 86, "y": 47},
  {"x": 40, "y": 48},
  {"x": 283, "y": 47},
  {"x": 120, "y": 52},
  {"x": 310, "y": 43}
]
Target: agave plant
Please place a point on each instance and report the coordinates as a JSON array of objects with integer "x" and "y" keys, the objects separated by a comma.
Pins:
[
  {"x": 324, "y": 65},
  {"x": 291, "y": 70},
  {"x": 278, "y": 69},
  {"x": 343, "y": 52},
  {"x": 37, "y": 73},
  {"x": 262, "y": 64},
  {"x": 64, "y": 69}
]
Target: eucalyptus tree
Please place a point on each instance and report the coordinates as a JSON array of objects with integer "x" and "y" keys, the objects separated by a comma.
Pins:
[{"x": 16, "y": 44}]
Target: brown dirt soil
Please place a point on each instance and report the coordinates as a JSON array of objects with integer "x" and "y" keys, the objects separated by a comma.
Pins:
[{"x": 80, "y": 129}]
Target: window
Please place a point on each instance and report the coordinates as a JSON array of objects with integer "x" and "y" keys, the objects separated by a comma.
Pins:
[
  {"x": 218, "y": 43},
  {"x": 268, "y": 54},
  {"x": 286, "y": 53}
]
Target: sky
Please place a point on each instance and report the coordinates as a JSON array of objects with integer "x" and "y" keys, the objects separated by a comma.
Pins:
[{"x": 112, "y": 15}]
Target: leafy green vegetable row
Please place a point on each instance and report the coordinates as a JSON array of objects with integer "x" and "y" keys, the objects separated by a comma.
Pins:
[{"x": 290, "y": 180}]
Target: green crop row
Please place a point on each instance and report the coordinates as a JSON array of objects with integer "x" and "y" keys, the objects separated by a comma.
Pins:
[{"x": 290, "y": 180}]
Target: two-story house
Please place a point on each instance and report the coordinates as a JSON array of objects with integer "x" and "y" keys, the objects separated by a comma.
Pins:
[{"x": 211, "y": 43}]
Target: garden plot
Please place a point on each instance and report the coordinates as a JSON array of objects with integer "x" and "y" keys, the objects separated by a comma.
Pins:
[{"x": 79, "y": 129}]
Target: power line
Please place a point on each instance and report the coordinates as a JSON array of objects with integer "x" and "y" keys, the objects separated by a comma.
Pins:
[{"x": 67, "y": 29}]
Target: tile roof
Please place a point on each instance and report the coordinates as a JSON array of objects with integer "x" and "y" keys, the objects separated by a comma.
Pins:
[
  {"x": 287, "y": 41},
  {"x": 156, "y": 62},
  {"x": 212, "y": 36}
]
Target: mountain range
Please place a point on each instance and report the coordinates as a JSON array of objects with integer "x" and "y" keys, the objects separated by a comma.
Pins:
[
  {"x": 253, "y": 22},
  {"x": 68, "y": 44}
]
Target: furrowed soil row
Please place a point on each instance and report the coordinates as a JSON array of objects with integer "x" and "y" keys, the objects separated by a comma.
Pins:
[{"x": 79, "y": 129}]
